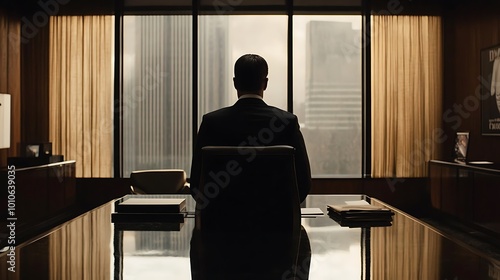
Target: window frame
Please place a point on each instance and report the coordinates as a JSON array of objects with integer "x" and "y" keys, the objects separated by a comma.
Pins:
[{"x": 251, "y": 7}]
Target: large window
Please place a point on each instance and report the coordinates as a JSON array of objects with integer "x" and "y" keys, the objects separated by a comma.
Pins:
[
  {"x": 327, "y": 92},
  {"x": 361, "y": 110},
  {"x": 157, "y": 93},
  {"x": 159, "y": 98},
  {"x": 222, "y": 40}
]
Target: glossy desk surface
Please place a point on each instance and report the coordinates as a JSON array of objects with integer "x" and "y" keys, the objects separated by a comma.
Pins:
[{"x": 90, "y": 247}]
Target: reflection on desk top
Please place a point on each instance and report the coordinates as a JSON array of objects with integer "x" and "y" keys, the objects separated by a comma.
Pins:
[{"x": 89, "y": 247}]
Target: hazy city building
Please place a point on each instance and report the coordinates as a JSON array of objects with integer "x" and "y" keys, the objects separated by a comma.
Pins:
[
  {"x": 333, "y": 111},
  {"x": 214, "y": 67},
  {"x": 158, "y": 89},
  {"x": 333, "y": 76}
]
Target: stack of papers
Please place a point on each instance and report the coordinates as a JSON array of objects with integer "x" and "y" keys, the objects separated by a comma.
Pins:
[
  {"x": 151, "y": 205},
  {"x": 142, "y": 209},
  {"x": 360, "y": 214},
  {"x": 311, "y": 212}
]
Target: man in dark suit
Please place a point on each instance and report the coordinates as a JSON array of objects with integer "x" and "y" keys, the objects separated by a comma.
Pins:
[{"x": 251, "y": 122}]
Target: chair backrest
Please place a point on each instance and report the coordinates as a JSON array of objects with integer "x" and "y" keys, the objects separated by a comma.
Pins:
[
  {"x": 248, "y": 189},
  {"x": 248, "y": 214},
  {"x": 158, "y": 181}
]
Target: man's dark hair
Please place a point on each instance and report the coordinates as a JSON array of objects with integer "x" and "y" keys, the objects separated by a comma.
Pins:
[{"x": 249, "y": 72}]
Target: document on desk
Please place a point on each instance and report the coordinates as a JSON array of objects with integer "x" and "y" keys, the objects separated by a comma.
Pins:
[
  {"x": 357, "y": 202},
  {"x": 359, "y": 210},
  {"x": 311, "y": 212},
  {"x": 348, "y": 208},
  {"x": 151, "y": 205},
  {"x": 139, "y": 210}
]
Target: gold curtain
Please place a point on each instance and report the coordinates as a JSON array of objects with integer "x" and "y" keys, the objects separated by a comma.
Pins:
[
  {"x": 406, "y": 94},
  {"x": 406, "y": 250},
  {"x": 81, "y": 92},
  {"x": 81, "y": 249}
]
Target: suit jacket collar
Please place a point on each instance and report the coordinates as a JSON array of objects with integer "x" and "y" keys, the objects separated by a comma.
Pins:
[
  {"x": 251, "y": 95},
  {"x": 249, "y": 101}
]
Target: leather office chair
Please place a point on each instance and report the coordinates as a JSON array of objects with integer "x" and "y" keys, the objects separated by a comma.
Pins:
[
  {"x": 248, "y": 223},
  {"x": 159, "y": 181},
  {"x": 250, "y": 183}
]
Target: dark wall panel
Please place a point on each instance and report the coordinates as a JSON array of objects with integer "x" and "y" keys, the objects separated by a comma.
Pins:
[
  {"x": 24, "y": 68},
  {"x": 468, "y": 27},
  {"x": 10, "y": 78},
  {"x": 35, "y": 89}
]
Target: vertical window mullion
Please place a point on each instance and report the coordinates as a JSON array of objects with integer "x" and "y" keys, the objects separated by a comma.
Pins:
[
  {"x": 195, "y": 72},
  {"x": 117, "y": 98},
  {"x": 290, "y": 56},
  {"x": 366, "y": 101}
]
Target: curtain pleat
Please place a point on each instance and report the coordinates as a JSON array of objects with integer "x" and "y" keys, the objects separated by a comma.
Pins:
[
  {"x": 406, "y": 94},
  {"x": 81, "y": 92},
  {"x": 406, "y": 250},
  {"x": 81, "y": 249}
]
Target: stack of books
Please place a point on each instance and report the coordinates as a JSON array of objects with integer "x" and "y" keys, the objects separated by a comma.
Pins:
[
  {"x": 141, "y": 211},
  {"x": 360, "y": 214}
]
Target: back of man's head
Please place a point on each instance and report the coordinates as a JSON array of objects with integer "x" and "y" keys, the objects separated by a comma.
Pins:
[{"x": 250, "y": 70}]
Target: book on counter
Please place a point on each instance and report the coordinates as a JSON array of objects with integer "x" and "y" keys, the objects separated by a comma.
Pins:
[
  {"x": 143, "y": 210},
  {"x": 133, "y": 204},
  {"x": 360, "y": 214},
  {"x": 358, "y": 223},
  {"x": 152, "y": 226},
  {"x": 147, "y": 218},
  {"x": 368, "y": 210}
]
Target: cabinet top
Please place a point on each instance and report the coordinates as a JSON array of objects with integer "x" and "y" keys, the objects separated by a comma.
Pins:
[
  {"x": 488, "y": 167},
  {"x": 55, "y": 164}
]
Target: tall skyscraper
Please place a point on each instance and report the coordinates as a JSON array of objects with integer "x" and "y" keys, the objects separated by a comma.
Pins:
[
  {"x": 333, "y": 108},
  {"x": 157, "y": 92},
  {"x": 333, "y": 76},
  {"x": 157, "y": 95},
  {"x": 214, "y": 65}
]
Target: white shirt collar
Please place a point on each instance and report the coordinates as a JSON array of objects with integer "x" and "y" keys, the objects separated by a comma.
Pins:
[{"x": 250, "y": 95}]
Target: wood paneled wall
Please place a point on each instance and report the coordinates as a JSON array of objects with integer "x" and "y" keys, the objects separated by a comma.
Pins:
[
  {"x": 469, "y": 26},
  {"x": 24, "y": 68},
  {"x": 10, "y": 77},
  {"x": 35, "y": 81}
]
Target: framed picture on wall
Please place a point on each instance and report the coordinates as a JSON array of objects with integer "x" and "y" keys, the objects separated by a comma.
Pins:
[
  {"x": 461, "y": 147},
  {"x": 42, "y": 150},
  {"x": 32, "y": 150},
  {"x": 490, "y": 90}
]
